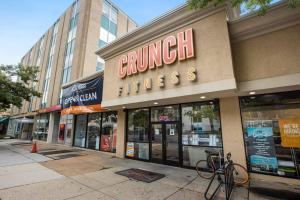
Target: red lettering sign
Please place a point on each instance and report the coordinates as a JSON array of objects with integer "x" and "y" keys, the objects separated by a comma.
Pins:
[{"x": 158, "y": 53}]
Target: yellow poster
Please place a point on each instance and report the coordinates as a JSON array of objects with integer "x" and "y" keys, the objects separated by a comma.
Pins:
[{"x": 290, "y": 132}]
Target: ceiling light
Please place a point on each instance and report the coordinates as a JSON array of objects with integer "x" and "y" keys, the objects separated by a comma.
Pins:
[
  {"x": 252, "y": 93},
  {"x": 155, "y": 103},
  {"x": 123, "y": 107},
  {"x": 203, "y": 97}
]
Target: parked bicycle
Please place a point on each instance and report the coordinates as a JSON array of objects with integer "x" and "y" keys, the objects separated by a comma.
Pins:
[{"x": 216, "y": 163}]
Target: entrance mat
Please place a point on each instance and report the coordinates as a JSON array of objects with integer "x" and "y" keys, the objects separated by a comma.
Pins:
[
  {"x": 141, "y": 175},
  {"x": 64, "y": 156},
  {"x": 45, "y": 153}
]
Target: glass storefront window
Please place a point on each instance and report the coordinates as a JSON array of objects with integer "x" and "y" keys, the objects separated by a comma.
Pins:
[
  {"x": 201, "y": 131},
  {"x": 271, "y": 124},
  {"x": 137, "y": 134},
  {"x": 42, "y": 125},
  {"x": 96, "y": 131},
  {"x": 164, "y": 114},
  {"x": 109, "y": 132},
  {"x": 93, "y": 131},
  {"x": 80, "y": 131}
]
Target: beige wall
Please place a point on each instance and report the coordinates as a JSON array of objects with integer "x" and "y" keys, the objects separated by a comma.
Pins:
[
  {"x": 43, "y": 69},
  {"x": 55, "y": 66},
  {"x": 56, "y": 76},
  {"x": 93, "y": 34},
  {"x": 120, "y": 152},
  {"x": 232, "y": 132},
  {"x": 81, "y": 39},
  {"x": 212, "y": 61},
  {"x": 273, "y": 54}
]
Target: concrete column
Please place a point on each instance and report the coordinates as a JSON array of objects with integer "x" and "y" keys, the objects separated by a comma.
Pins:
[
  {"x": 232, "y": 132},
  {"x": 51, "y": 127},
  {"x": 120, "y": 152}
]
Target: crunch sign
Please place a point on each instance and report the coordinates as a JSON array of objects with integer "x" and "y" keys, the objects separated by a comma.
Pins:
[{"x": 156, "y": 54}]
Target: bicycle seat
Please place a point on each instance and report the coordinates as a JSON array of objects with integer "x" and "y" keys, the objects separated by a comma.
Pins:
[{"x": 212, "y": 153}]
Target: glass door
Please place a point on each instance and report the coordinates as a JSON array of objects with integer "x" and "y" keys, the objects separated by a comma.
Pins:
[
  {"x": 165, "y": 146},
  {"x": 157, "y": 143},
  {"x": 171, "y": 143}
]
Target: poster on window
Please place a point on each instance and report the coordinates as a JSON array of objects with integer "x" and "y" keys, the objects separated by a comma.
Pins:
[
  {"x": 105, "y": 143},
  {"x": 130, "y": 149},
  {"x": 261, "y": 149},
  {"x": 290, "y": 133}
]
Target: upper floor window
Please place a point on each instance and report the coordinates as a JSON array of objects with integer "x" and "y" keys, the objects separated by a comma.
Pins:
[{"x": 109, "y": 21}]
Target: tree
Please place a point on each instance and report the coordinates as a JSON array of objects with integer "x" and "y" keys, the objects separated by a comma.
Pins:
[
  {"x": 14, "y": 92},
  {"x": 261, "y": 5}
]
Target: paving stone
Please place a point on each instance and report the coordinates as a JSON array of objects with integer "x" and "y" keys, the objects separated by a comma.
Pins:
[
  {"x": 26, "y": 174},
  {"x": 95, "y": 195},
  {"x": 90, "y": 182},
  {"x": 188, "y": 195},
  {"x": 136, "y": 190},
  {"x": 58, "y": 189}
]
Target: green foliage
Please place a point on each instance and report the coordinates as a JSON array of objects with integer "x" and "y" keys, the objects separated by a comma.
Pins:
[
  {"x": 263, "y": 5},
  {"x": 14, "y": 92}
]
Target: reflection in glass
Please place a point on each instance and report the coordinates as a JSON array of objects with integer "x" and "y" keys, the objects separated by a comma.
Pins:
[
  {"x": 109, "y": 132},
  {"x": 137, "y": 134},
  {"x": 264, "y": 117},
  {"x": 157, "y": 142},
  {"x": 93, "y": 131},
  {"x": 80, "y": 131},
  {"x": 201, "y": 125},
  {"x": 138, "y": 125},
  {"x": 201, "y": 130},
  {"x": 166, "y": 113},
  {"x": 172, "y": 153},
  {"x": 42, "y": 126}
]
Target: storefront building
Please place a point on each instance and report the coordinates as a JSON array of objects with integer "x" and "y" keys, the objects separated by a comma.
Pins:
[
  {"x": 63, "y": 54},
  {"x": 192, "y": 81},
  {"x": 86, "y": 122}
]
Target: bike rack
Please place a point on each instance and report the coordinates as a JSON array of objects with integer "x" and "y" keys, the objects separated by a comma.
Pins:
[
  {"x": 228, "y": 182},
  {"x": 220, "y": 180}
]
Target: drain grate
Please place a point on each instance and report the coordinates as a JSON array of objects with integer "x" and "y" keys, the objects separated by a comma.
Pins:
[
  {"x": 45, "y": 153},
  {"x": 64, "y": 156},
  {"x": 21, "y": 143},
  {"x": 141, "y": 175}
]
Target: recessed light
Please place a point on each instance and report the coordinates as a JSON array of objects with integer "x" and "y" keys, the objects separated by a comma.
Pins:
[
  {"x": 155, "y": 103},
  {"x": 123, "y": 107},
  {"x": 252, "y": 93},
  {"x": 203, "y": 97}
]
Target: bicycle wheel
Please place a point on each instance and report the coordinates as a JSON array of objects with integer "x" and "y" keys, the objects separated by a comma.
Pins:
[
  {"x": 205, "y": 169},
  {"x": 240, "y": 174}
]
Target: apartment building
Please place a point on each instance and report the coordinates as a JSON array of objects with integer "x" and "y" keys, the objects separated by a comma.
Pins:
[{"x": 66, "y": 52}]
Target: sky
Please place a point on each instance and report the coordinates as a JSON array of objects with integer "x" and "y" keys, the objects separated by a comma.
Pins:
[{"x": 23, "y": 22}]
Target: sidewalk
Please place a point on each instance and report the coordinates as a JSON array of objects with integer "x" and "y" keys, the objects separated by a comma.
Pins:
[{"x": 92, "y": 176}]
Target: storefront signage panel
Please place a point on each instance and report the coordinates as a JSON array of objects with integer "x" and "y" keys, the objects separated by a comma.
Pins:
[
  {"x": 84, "y": 97},
  {"x": 290, "y": 132},
  {"x": 156, "y": 55},
  {"x": 261, "y": 147},
  {"x": 170, "y": 63}
]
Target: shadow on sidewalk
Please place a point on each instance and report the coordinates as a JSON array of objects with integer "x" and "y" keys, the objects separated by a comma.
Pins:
[{"x": 276, "y": 193}]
